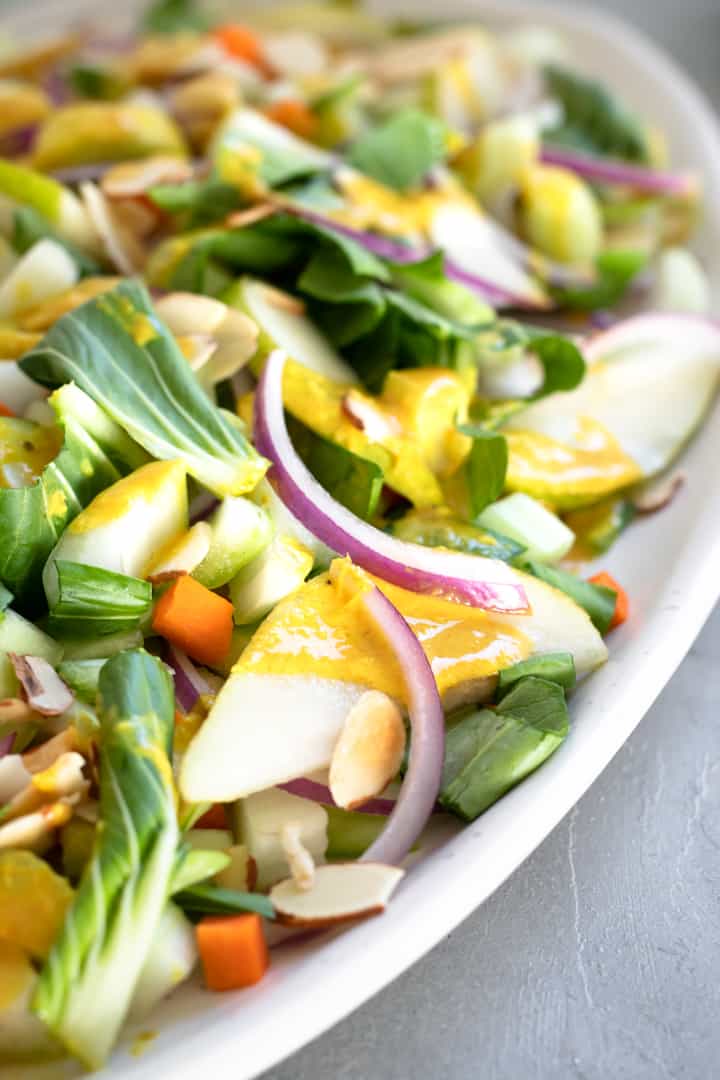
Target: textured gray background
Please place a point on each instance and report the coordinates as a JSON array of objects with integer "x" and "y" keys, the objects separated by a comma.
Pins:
[{"x": 600, "y": 957}]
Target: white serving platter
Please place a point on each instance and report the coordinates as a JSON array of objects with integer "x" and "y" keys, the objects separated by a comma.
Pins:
[{"x": 669, "y": 562}]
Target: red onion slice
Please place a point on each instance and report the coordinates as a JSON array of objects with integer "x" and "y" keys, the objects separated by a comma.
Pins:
[
  {"x": 608, "y": 171},
  {"x": 421, "y": 785},
  {"x": 189, "y": 683},
  {"x": 6, "y": 744},
  {"x": 466, "y": 579},
  {"x": 310, "y": 789}
]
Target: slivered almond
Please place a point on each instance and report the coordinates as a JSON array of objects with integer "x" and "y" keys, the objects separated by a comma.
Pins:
[
  {"x": 15, "y": 710},
  {"x": 131, "y": 178},
  {"x": 283, "y": 301},
  {"x": 660, "y": 493},
  {"x": 48, "y": 752},
  {"x": 364, "y": 414},
  {"x": 340, "y": 892},
  {"x": 35, "y": 830},
  {"x": 369, "y": 751},
  {"x": 240, "y": 219},
  {"x": 122, "y": 248},
  {"x": 300, "y": 861}
]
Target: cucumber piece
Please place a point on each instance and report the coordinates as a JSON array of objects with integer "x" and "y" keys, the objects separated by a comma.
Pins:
[
  {"x": 544, "y": 536},
  {"x": 286, "y": 524},
  {"x": 284, "y": 325},
  {"x": 18, "y": 635},
  {"x": 103, "y": 647},
  {"x": 240, "y": 531},
  {"x": 278, "y": 571},
  {"x": 82, "y": 677}
]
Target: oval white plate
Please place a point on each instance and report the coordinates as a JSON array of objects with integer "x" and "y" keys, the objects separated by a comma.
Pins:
[{"x": 670, "y": 564}]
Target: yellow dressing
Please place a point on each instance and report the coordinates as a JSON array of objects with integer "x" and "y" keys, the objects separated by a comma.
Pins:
[
  {"x": 320, "y": 631},
  {"x": 569, "y": 475},
  {"x": 16, "y": 974},
  {"x": 25, "y": 450},
  {"x": 371, "y": 205},
  {"x": 143, "y": 485}
]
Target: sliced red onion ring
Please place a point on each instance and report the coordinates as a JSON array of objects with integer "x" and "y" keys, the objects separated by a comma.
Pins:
[
  {"x": 608, "y": 171},
  {"x": 189, "y": 683},
  {"x": 421, "y": 784},
  {"x": 6, "y": 744},
  {"x": 202, "y": 507},
  {"x": 467, "y": 579},
  {"x": 310, "y": 789}
]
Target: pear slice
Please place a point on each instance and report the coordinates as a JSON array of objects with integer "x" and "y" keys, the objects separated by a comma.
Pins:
[
  {"x": 340, "y": 892},
  {"x": 650, "y": 381},
  {"x": 284, "y": 325},
  {"x": 264, "y": 730}
]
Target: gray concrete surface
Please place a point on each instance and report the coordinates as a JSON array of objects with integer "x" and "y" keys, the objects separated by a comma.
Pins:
[{"x": 600, "y": 957}]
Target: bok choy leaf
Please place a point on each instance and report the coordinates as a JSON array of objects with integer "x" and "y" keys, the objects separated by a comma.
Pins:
[
  {"x": 85, "y": 988},
  {"x": 93, "y": 602},
  {"x": 116, "y": 349}
]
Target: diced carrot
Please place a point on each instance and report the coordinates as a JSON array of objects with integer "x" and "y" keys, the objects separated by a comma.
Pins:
[
  {"x": 232, "y": 949},
  {"x": 294, "y": 115},
  {"x": 5, "y": 410},
  {"x": 195, "y": 619},
  {"x": 214, "y": 818},
  {"x": 622, "y": 604},
  {"x": 242, "y": 43}
]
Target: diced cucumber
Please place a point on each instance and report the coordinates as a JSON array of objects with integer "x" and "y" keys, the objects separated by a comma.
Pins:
[
  {"x": 240, "y": 531},
  {"x": 82, "y": 677},
  {"x": 544, "y": 536},
  {"x": 259, "y": 819},
  {"x": 18, "y": 635},
  {"x": 286, "y": 524},
  {"x": 275, "y": 573},
  {"x": 103, "y": 647},
  {"x": 209, "y": 839},
  {"x": 284, "y": 325},
  {"x": 70, "y": 401}
]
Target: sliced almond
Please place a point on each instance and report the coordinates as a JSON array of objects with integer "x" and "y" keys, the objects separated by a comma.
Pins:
[
  {"x": 34, "y": 831},
  {"x": 122, "y": 249},
  {"x": 197, "y": 349},
  {"x": 240, "y": 219},
  {"x": 42, "y": 687},
  {"x": 660, "y": 493},
  {"x": 300, "y": 861},
  {"x": 43, "y": 756},
  {"x": 185, "y": 313},
  {"x": 283, "y": 301},
  {"x": 132, "y": 178},
  {"x": 14, "y": 777},
  {"x": 340, "y": 892},
  {"x": 43, "y": 315},
  {"x": 183, "y": 555},
  {"x": 15, "y": 710},
  {"x": 369, "y": 751}
]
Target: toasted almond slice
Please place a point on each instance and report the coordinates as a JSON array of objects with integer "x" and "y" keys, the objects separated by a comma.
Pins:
[
  {"x": 42, "y": 687},
  {"x": 34, "y": 830},
  {"x": 43, "y": 756},
  {"x": 369, "y": 751},
  {"x": 659, "y": 493},
  {"x": 62, "y": 779},
  {"x": 14, "y": 777},
  {"x": 197, "y": 349},
  {"x": 283, "y": 301},
  {"x": 340, "y": 892},
  {"x": 15, "y": 710},
  {"x": 122, "y": 249},
  {"x": 300, "y": 861},
  {"x": 366, "y": 415},
  {"x": 183, "y": 555},
  {"x": 131, "y": 178},
  {"x": 185, "y": 313},
  {"x": 240, "y": 219}
]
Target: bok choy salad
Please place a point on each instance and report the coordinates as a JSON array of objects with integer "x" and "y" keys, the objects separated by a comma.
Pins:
[{"x": 333, "y": 353}]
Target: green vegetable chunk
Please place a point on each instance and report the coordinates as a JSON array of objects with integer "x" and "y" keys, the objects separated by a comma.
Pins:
[
  {"x": 351, "y": 832},
  {"x": 211, "y": 900},
  {"x": 116, "y": 349},
  {"x": 555, "y": 667},
  {"x": 93, "y": 602},
  {"x": 488, "y": 752},
  {"x": 593, "y": 119},
  {"x": 86, "y": 985},
  {"x": 29, "y": 226},
  {"x": 401, "y": 151},
  {"x": 352, "y": 480},
  {"x": 438, "y": 528},
  {"x": 82, "y": 677},
  {"x": 597, "y": 600}
]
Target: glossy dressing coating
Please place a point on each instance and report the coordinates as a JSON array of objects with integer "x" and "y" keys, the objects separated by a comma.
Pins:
[
  {"x": 321, "y": 630},
  {"x": 143, "y": 485}
]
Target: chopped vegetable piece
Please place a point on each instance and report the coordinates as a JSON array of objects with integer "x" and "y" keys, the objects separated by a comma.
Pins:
[
  {"x": 543, "y": 535},
  {"x": 233, "y": 951},
  {"x": 555, "y": 667},
  {"x": 195, "y": 619},
  {"x": 242, "y": 43},
  {"x": 622, "y": 604},
  {"x": 597, "y": 600},
  {"x": 295, "y": 116},
  {"x": 93, "y": 602}
]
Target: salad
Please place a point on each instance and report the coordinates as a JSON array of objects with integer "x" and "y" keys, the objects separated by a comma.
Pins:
[{"x": 333, "y": 352}]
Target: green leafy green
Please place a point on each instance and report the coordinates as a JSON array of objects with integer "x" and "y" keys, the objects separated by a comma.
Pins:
[
  {"x": 555, "y": 667},
  {"x": 485, "y": 468},
  {"x": 212, "y": 900},
  {"x": 6, "y": 598},
  {"x": 488, "y": 752},
  {"x": 95, "y": 452},
  {"x": 174, "y": 16},
  {"x": 593, "y": 119},
  {"x": 615, "y": 270},
  {"x": 198, "y": 201},
  {"x": 401, "y": 151},
  {"x": 82, "y": 677},
  {"x": 437, "y": 528},
  {"x": 598, "y": 527},
  {"x": 350, "y": 832},
  {"x": 353, "y": 480},
  {"x": 193, "y": 865},
  {"x": 95, "y": 81},
  {"x": 86, "y": 985},
  {"x": 29, "y": 226},
  {"x": 93, "y": 602},
  {"x": 116, "y": 349},
  {"x": 597, "y": 600},
  {"x": 425, "y": 280}
]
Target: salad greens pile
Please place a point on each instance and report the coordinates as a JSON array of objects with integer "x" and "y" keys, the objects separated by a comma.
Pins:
[{"x": 332, "y": 354}]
